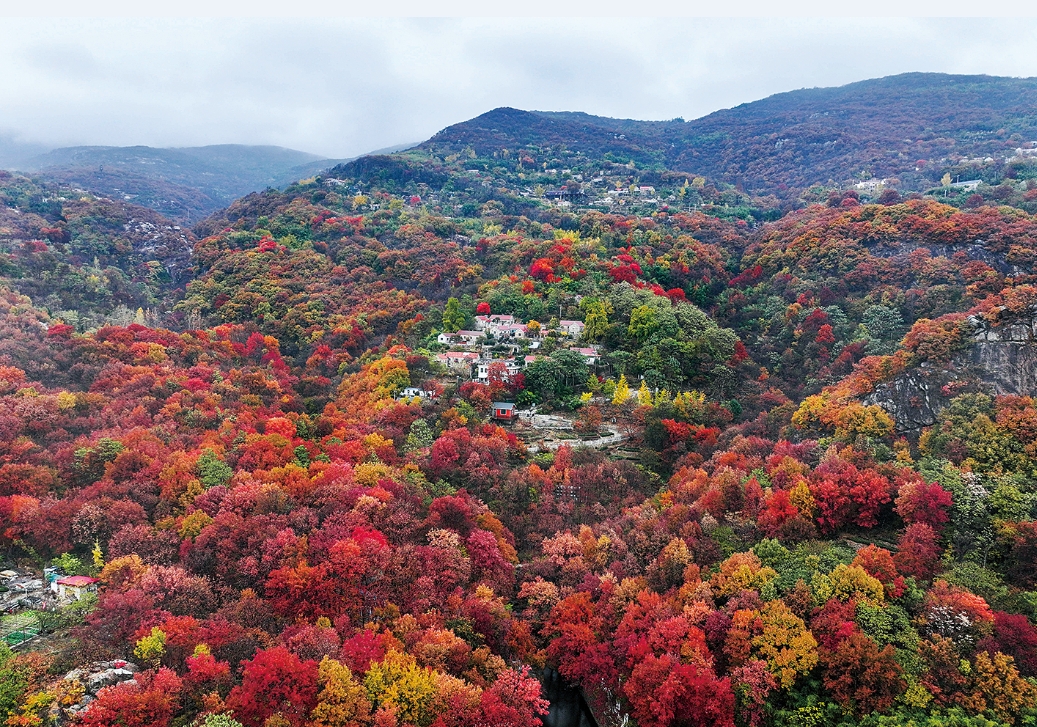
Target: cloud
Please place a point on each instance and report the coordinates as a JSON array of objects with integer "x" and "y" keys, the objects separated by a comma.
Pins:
[{"x": 343, "y": 86}]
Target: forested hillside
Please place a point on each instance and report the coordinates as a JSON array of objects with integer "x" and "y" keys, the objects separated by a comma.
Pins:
[
  {"x": 911, "y": 127},
  {"x": 87, "y": 259},
  {"x": 394, "y": 444}
]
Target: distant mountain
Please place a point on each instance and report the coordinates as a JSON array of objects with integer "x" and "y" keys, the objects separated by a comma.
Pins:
[
  {"x": 186, "y": 183},
  {"x": 14, "y": 153},
  {"x": 88, "y": 260},
  {"x": 789, "y": 141}
]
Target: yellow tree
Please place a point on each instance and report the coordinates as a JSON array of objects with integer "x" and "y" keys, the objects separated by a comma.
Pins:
[
  {"x": 800, "y": 496},
  {"x": 786, "y": 644},
  {"x": 342, "y": 701},
  {"x": 644, "y": 395},
  {"x": 596, "y": 318},
  {"x": 622, "y": 391},
  {"x": 151, "y": 648},
  {"x": 999, "y": 688},
  {"x": 98, "y": 555},
  {"x": 847, "y": 582},
  {"x": 397, "y": 682},
  {"x": 741, "y": 572}
]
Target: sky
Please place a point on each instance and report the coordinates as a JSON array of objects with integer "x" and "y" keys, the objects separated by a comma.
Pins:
[{"x": 343, "y": 86}]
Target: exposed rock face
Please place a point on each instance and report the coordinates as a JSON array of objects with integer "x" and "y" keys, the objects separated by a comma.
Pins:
[
  {"x": 915, "y": 397},
  {"x": 1006, "y": 357},
  {"x": 93, "y": 678},
  {"x": 165, "y": 243},
  {"x": 977, "y": 250},
  {"x": 1002, "y": 360}
]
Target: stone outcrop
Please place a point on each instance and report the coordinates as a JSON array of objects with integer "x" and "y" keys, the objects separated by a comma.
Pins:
[
  {"x": 93, "y": 678},
  {"x": 1001, "y": 360},
  {"x": 1005, "y": 357},
  {"x": 977, "y": 250}
]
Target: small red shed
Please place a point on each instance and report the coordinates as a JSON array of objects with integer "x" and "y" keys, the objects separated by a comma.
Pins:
[{"x": 503, "y": 411}]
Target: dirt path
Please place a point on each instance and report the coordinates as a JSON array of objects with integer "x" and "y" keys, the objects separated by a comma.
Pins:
[{"x": 614, "y": 437}]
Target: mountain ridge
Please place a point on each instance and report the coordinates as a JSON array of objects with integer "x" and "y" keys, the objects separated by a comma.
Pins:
[{"x": 794, "y": 139}]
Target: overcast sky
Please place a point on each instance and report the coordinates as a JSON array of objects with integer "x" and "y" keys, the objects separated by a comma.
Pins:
[{"x": 340, "y": 87}]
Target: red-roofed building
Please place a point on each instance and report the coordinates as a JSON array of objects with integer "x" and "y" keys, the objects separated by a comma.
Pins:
[
  {"x": 458, "y": 360},
  {"x": 74, "y": 586},
  {"x": 491, "y": 323},
  {"x": 573, "y": 329},
  {"x": 590, "y": 355}
]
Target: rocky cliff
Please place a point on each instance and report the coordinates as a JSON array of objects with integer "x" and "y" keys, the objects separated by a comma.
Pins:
[{"x": 1001, "y": 360}]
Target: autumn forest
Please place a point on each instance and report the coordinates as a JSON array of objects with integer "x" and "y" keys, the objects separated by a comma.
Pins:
[{"x": 404, "y": 443}]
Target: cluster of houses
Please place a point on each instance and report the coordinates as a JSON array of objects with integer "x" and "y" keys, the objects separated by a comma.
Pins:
[
  {"x": 23, "y": 590},
  {"x": 472, "y": 359},
  {"x": 613, "y": 197},
  {"x": 871, "y": 186},
  {"x": 566, "y": 194},
  {"x": 505, "y": 328}
]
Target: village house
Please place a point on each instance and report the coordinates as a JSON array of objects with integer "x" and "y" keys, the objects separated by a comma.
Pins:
[
  {"x": 491, "y": 322},
  {"x": 460, "y": 361},
  {"x": 483, "y": 368},
  {"x": 568, "y": 193},
  {"x": 590, "y": 355},
  {"x": 413, "y": 392},
  {"x": 573, "y": 329},
  {"x": 469, "y": 337},
  {"x": 446, "y": 338},
  {"x": 870, "y": 186},
  {"x": 74, "y": 587},
  {"x": 512, "y": 330}
]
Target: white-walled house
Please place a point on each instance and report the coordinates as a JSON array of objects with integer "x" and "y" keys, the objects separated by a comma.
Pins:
[
  {"x": 414, "y": 392},
  {"x": 470, "y": 337},
  {"x": 490, "y": 322},
  {"x": 590, "y": 355},
  {"x": 483, "y": 368},
  {"x": 573, "y": 329},
  {"x": 74, "y": 587},
  {"x": 460, "y": 361},
  {"x": 512, "y": 330}
]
